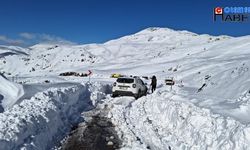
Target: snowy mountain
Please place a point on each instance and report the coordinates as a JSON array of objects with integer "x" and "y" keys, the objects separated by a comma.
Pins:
[
  {"x": 152, "y": 43},
  {"x": 209, "y": 103}
]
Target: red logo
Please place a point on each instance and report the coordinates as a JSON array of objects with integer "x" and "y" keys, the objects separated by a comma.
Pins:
[{"x": 218, "y": 11}]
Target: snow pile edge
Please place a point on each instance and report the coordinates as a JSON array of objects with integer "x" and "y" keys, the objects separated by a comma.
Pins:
[
  {"x": 37, "y": 123},
  {"x": 9, "y": 91},
  {"x": 166, "y": 121}
]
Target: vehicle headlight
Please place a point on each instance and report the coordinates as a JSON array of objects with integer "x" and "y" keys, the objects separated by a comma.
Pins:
[{"x": 134, "y": 85}]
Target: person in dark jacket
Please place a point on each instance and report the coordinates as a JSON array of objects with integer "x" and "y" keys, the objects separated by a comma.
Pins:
[{"x": 153, "y": 83}]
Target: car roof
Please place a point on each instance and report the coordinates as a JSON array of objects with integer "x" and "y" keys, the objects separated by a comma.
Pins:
[{"x": 126, "y": 78}]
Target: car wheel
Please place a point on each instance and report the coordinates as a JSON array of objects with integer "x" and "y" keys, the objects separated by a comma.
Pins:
[{"x": 114, "y": 95}]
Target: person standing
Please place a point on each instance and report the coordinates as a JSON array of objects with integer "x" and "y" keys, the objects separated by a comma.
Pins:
[{"x": 153, "y": 83}]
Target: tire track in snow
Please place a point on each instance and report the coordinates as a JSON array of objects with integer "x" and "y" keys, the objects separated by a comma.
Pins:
[
  {"x": 127, "y": 123},
  {"x": 119, "y": 102}
]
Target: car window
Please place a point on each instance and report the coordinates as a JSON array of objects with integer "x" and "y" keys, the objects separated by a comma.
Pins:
[
  {"x": 140, "y": 82},
  {"x": 125, "y": 80}
]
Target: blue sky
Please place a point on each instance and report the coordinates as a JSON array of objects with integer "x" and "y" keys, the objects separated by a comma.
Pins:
[{"x": 25, "y": 22}]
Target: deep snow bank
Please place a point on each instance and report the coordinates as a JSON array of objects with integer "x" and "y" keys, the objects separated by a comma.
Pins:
[
  {"x": 164, "y": 120},
  {"x": 9, "y": 92},
  {"x": 38, "y": 123}
]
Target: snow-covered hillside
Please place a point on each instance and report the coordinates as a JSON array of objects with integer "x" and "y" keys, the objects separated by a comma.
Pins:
[
  {"x": 211, "y": 95},
  {"x": 155, "y": 44}
]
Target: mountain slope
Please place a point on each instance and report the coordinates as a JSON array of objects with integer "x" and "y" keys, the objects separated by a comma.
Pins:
[{"x": 213, "y": 70}]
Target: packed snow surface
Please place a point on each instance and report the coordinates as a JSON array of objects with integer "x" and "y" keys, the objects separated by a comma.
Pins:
[{"x": 208, "y": 107}]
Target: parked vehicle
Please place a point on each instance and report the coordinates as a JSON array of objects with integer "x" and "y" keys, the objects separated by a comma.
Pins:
[
  {"x": 169, "y": 82},
  {"x": 129, "y": 86},
  {"x": 116, "y": 75}
]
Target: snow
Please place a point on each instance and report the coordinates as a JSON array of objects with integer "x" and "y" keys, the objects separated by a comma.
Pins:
[
  {"x": 208, "y": 107},
  {"x": 12, "y": 50},
  {"x": 163, "y": 120},
  {"x": 43, "y": 120},
  {"x": 9, "y": 92}
]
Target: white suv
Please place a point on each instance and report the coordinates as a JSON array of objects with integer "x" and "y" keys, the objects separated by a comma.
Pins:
[{"x": 129, "y": 86}]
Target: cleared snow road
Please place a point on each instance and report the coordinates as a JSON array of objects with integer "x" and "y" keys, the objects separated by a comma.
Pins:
[{"x": 97, "y": 134}]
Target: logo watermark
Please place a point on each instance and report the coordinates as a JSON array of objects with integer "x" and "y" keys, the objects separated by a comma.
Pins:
[{"x": 232, "y": 14}]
